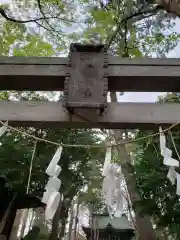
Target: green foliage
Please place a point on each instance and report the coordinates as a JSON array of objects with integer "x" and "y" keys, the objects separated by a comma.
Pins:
[
  {"x": 34, "y": 46},
  {"x": 16, "y": 154},
  {"x": 76, "y": 163},
  {"x": 43, "y": 236},
  {"x": 159, "y": 197},
  {"x": 83, "y": 21},
  {"x": 9, "y": 34},
  {"x": 33, "y": 234}
]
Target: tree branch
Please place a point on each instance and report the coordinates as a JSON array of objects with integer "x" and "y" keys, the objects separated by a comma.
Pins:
[
  {"x": 40, "y": 8},
  {"x": 126, "y": 50},
  {"x": 35, "y": 20},
  {"x": 44, "y": 16},
  {"x": 124, "y": 20},
  {"x": 4, "y": 15},
  {"x": 40, "y": 25}
]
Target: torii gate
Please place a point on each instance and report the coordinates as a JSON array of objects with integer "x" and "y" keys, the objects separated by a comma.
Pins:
[
  {"x": 48, "y": 74},
  {"x": 86, "y": 76}
]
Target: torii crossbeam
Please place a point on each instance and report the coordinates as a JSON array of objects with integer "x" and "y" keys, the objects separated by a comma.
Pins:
[
  {"x": 48, "y": 74},
  {"x": 117, "y": 115}
]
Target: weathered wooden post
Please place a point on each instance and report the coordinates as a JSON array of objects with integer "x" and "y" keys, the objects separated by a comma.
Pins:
[
  {"x": 19, "y": 202},
  {"x": 86, "y": 82}
]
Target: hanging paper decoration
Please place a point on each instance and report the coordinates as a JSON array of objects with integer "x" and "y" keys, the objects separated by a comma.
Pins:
[
  {"x": 112, "y": 191},
  {"x": 52, "y": 196},
  {"x": 52, "y": 205},
  {"x": 167, "y": 152},
  {"x": 162, "y": 141},
  {"x": 169, "y": 161},
  {"x": 54, "y": 169},
  {"x": 172, "y": 175},
  {"x": 3, "y": 129},
  {"x": 53, "y": 185},
  {"x": 111, "y": 187}
]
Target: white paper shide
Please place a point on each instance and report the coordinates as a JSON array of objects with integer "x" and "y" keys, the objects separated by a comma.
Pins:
[
  {"x": 172, "y": 175},
  {"x": 3, "y": 129},
  {"x": 51, "y": 195},
  {"x": 111, "y": 188}
]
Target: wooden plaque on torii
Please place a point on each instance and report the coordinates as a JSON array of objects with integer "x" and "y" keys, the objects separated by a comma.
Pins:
[{"x": 86, "y": 82}]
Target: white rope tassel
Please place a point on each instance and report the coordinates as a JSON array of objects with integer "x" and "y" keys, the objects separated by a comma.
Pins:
[{"x": 162, "y": 141}]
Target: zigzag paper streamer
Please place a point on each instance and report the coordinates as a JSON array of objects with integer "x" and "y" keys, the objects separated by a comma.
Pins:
[
  {"x": 54, "y": 169},
  {"x": 51, "y": 196},
  {"x": 52, "y": 205},
  {"x": 169, "y": 161},
  {"x": 3, "y": 129},
  {"x": 172, "y": 175},
  {"x": 54, "y": 183},
  {"x": 166, "y": 152}
]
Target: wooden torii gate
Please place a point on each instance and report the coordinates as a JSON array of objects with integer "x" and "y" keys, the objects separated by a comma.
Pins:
[
  {"x": 86, "y": 76},
  {"x": 48, "y": 74}
]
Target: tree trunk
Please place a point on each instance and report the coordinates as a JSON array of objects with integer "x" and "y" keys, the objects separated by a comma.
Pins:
[
  {"x": 39, "y": 220},
  {"x": 76, "y": 219},
  {"x": 16, "y": 226},
  {"x": 71, "y": 221},
  {"x": 170, "y": 6},
  {"x": 63, "y": 224},
  {"x": 23, "y": 222},
  {"x": 32, "y": 219},
  {"x": 90, "y": 208},
  {"x": 143, "y": 223},
  {"x": 55, "y": 224}
]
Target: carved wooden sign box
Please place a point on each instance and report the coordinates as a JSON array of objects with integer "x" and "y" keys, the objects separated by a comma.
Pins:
[{"x": 86, "y": 82}]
